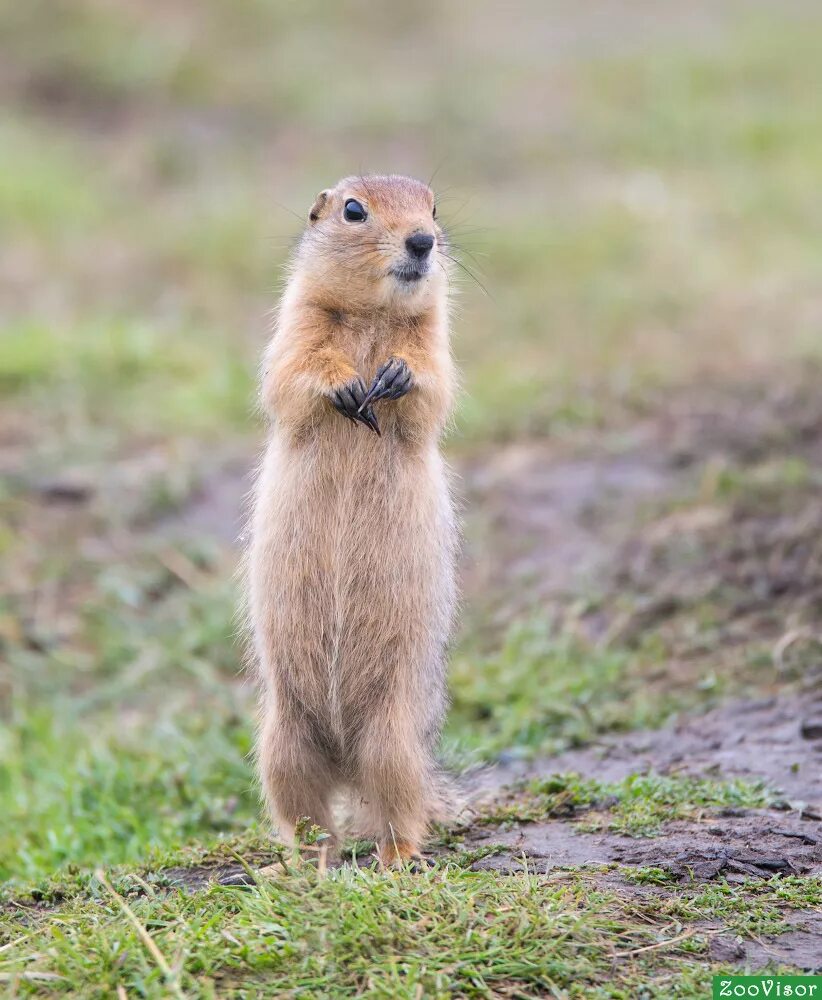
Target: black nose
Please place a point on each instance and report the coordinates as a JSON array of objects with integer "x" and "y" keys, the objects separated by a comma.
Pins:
[{"x": 419, "y": 244}]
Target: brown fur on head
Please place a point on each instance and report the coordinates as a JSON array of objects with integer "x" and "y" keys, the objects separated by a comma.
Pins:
[{"x": 361, "y": 265}]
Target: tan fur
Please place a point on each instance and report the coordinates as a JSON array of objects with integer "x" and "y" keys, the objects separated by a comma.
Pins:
[{"x": 351, "y": 564}]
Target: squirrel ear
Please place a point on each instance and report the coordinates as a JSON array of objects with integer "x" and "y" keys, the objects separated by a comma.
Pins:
[{"x": 318, "y": 206}]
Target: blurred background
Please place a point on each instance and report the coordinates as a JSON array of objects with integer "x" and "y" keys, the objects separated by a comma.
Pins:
[{"x": 634, "y": 190}]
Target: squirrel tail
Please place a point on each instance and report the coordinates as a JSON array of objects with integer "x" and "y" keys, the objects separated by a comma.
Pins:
[{"x": 448, "y": 798}]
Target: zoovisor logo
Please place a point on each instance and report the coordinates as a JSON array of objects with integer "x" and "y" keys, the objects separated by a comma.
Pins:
[{"x": 765, "y": 987}]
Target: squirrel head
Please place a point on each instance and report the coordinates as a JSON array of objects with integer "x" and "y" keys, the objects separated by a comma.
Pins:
[{"x": 374, "y": 243}]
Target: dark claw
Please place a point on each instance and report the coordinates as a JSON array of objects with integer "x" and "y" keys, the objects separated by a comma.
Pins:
[
  {"x": 394, "y": 379},
  {"x": 418, "y": 864},
  {"x": 241, "y": 879},
  {"x": 400, "y": 388},
  {"x": 349, "y": 400},
  {"x": 367, "y": 416}
]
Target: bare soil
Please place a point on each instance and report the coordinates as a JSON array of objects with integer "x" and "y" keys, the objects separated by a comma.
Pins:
[{"x": 759, "y": 740}]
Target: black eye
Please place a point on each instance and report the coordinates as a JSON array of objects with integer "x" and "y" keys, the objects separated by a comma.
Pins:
[
  {"x": 354, "y": 212},
  {"x": 434, "y": 212}
]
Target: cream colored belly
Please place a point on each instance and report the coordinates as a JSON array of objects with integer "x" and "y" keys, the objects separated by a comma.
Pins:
[{"x": 351, "y": 570}]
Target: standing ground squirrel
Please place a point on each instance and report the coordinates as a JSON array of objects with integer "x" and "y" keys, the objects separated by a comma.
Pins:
[{"x": 351, "y": 563}]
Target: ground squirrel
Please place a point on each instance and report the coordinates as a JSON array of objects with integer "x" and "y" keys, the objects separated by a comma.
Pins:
[{"x": 351, "y": 562}]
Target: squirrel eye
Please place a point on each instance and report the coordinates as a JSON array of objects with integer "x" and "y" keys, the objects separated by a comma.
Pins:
[
  {"x": 354, "y": 212},
  {"x": 434, "y": 212}
]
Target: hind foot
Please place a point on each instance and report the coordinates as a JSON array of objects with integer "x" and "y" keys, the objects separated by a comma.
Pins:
[{"x": 397, "y": 853}]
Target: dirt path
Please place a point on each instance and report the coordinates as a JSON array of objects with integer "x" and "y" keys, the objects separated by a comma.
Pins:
[{"x": 754, "y": 741}]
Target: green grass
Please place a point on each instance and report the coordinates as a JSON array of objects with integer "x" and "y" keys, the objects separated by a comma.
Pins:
[
  {"x": 540, "y": 690},
  {"x": 44, "y": 190},
  {"x": 74, "y": 800},
  {"x": 128, "y": 373},
  {"x": 354, "y": 932},
  {"x": 637, "y": 806},
  {"x": 81, "y": 782}
]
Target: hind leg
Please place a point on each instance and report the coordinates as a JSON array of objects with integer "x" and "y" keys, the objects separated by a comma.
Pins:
[
  {"x": 296, "y": 774},
  {"x": 395, "y": 775}
]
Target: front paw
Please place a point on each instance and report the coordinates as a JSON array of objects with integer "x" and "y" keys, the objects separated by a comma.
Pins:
[
  {"x": 350, "y": 400},
  {"x": 394, "y": 379}
]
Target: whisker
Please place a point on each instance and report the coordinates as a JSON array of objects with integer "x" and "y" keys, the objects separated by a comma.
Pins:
[
  {"x": 464, "y": 250},
  {"x": 285, "y": 208},
  {"x": 470, "y": 274},
  {"x": 436, "y": 171}
]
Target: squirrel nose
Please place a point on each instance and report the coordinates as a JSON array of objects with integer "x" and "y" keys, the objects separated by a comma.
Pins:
[{"x": 419, "y": 244}]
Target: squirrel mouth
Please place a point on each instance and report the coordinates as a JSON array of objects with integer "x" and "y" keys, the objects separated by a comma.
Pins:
[{"x": 409, "y": 274}]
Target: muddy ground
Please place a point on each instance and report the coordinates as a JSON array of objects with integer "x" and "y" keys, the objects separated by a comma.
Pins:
[
  {"x": 547, "y": 525},
  {"x": 753, "y": 740},
  {"x": 776, "y": 741}
]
